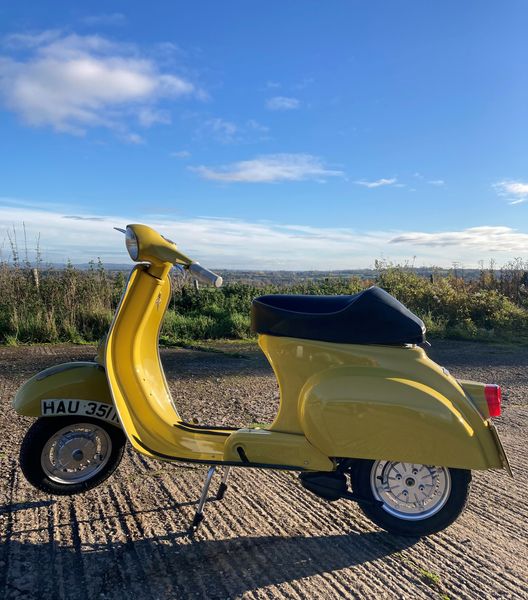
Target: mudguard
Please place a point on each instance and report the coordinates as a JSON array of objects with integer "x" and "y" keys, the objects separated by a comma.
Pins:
[{"x": 84, "y": 381}]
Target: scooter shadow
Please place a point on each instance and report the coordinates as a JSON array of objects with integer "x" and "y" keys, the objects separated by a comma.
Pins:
[
  {"x": 11, "y": 508},
  {"x": 170, "y": 566}
]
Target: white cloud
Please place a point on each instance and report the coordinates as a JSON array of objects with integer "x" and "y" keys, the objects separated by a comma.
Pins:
[
  {"x": 233, "y": 243},
  {"x": 377, "y": 183},
  {"x": 282, "y": 103},
  {"x": 270, "y": 168},
  {"x": 486, "y": 238},
  {"x": 181, "y": 154},
  {"x": 517, "y": 190},
  {"x": 73, "y": 82}
]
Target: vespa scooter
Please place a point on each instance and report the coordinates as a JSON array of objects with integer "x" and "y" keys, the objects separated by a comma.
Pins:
[{"x": 364, "y": 414}]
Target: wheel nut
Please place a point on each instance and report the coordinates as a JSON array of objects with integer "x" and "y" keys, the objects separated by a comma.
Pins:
[
  {"x": 421, "y": 488},
  {"x": 77, "y": 455},
  {"x": 398, "y": 477},
  {"x": 415, "y": 471}
]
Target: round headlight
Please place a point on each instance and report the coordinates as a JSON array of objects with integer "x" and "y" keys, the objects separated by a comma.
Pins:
[{"x": 132, "y": 244}]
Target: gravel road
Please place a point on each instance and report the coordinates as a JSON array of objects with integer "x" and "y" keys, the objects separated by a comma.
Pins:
[{"x": 268, "y": 538}]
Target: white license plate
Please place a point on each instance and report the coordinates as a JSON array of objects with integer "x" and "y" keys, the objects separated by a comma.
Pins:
[{"x": 83, "y": 408}]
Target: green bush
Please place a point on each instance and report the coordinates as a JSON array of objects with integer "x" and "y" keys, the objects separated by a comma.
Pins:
[{"x": 78, "y": 305}]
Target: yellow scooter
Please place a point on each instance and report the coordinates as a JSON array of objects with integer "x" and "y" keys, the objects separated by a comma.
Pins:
[{"x": 364, "y": 414}]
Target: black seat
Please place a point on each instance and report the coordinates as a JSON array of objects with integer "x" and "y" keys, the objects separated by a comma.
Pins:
[{"x": 370, "y": 317}]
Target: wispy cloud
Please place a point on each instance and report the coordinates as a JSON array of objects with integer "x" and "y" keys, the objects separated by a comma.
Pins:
[
  {"x": 132, "y": 138},
  {"x": 516, "y": 190},
  {"x": 219, "y": 129},
  {"x": 81, "y": 218},
  {"x": 377, "y": 183},
  {"x": 148, "y": 116},
  {"x": 228, "y": 132},
  {"x": 105, "y": 19},
  {"x": 282, "y": 103},
  {"x": 21, "y": 41},
  {"x": 437, "y": 182},
  {"x": 234, "y": 243},
  {"x": 227, "y": 243},
  {"x": 270, "y": 168},
  {"x": 73, "y": 82},
  {"x": 181, "y": 154},
  {"x": 487, "y": 238}
]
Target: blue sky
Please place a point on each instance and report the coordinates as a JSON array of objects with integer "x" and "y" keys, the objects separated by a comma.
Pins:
[{"x": 268, "y": 134}]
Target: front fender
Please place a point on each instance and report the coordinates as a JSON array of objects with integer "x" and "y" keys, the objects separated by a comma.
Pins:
[
  {"x": 69, "y": 381},
  {"x": 392, "y": 418}
]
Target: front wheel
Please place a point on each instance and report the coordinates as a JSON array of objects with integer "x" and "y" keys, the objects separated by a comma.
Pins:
[
  {"x": 412, "y": 500},
  {"x": 66, "y": 455}
]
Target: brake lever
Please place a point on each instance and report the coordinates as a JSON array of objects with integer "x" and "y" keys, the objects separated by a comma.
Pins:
[{"x": 181, "y": 270}]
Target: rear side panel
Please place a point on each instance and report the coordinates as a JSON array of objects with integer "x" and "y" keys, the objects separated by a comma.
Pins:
[
  {"x": 378, "y": 402},
  {"x": 350, "y": 415}
]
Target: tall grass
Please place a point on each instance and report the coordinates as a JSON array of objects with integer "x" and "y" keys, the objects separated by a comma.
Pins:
[{"x": 42, "y": 304}]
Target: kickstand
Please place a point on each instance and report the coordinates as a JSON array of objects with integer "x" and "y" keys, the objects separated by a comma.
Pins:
[
  {"x": 223, "y": 484},
  {"x": 198, "y": 515}
]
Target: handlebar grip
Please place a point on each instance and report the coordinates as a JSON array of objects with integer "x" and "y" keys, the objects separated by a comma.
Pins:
[{"x": 205, "y": 275}]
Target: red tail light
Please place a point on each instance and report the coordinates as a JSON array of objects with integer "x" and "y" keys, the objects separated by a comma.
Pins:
[{"x": 493, "y": 398}]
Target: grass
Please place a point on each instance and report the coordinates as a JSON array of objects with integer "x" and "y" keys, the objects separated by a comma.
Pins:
[
  {"x": 433, "y": 580},
  {"x": 46, "y": 305}
]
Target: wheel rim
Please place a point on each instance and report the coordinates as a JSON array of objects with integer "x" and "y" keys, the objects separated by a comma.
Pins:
[
  {"x": 76, "y": 453},
  {"x": 410, "y": 491}
]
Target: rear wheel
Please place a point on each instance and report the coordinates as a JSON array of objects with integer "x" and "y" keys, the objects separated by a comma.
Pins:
[
  {"x": 65, "y": 455},
  {"x": 416, "y": 500}
]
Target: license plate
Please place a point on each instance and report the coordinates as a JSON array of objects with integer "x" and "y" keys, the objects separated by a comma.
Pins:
[{"x": 83, "y": 408}]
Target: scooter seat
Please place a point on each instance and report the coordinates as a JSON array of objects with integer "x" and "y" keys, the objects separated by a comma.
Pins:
[{"x": 370, "y": 317}]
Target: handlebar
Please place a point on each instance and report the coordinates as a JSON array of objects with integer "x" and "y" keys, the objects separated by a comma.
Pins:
[{"x": 204, "y": 274}]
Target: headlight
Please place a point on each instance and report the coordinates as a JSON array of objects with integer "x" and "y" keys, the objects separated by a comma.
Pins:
[{"x": 132, "y": 244}]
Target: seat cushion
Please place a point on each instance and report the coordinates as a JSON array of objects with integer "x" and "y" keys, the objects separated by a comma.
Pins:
[{"x": 370, "y": 317}]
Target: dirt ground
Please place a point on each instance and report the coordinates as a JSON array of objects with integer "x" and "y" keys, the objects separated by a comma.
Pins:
[{"x": 268, "y": 538}]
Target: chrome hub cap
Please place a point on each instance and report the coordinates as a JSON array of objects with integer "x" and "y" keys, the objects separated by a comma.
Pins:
[
  {"x": 410, "y": 491},
  {"x": 76, "y": 453}
]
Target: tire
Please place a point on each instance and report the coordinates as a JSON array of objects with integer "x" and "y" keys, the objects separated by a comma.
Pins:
[
  {"x": 444, "y": 505},
  {"x": 53, "y": 443}
]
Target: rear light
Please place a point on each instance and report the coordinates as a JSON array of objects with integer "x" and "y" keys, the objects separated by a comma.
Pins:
[{"x": 493, "y": 398}]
